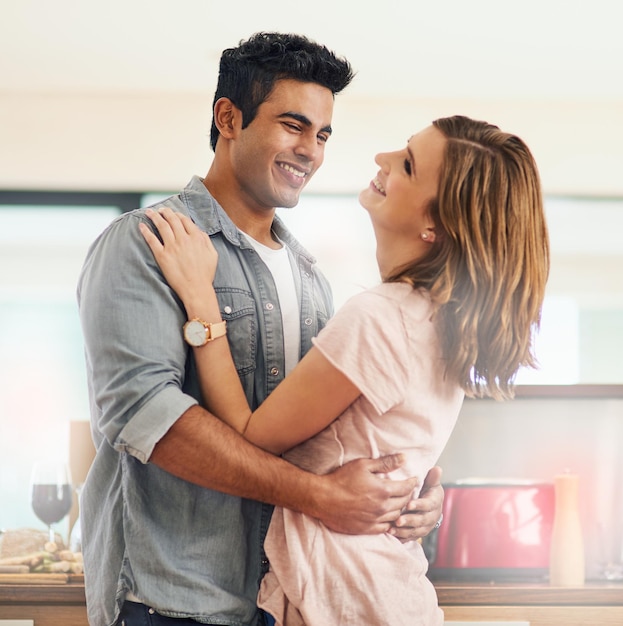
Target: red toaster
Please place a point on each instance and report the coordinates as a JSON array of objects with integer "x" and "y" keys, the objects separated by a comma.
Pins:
[{"x": 493, "y": 531}]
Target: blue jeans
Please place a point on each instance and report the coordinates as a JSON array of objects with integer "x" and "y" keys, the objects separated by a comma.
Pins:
[{"x": 134, "y": 614}]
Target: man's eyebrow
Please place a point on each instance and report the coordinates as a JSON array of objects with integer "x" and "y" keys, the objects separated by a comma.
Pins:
[{"x": 303, "y": 119}]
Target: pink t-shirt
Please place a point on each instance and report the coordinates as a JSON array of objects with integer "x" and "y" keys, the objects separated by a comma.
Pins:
[{"x": 384, "y": 341}]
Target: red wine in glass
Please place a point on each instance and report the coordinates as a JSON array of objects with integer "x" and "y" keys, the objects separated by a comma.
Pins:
[{"x": 51, "y": 493}]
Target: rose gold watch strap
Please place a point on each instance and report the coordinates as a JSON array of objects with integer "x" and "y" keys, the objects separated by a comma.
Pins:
[{"x": 217, "y": 329}]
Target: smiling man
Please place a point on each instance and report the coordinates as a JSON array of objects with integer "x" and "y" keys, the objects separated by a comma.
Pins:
[
  {"x": 265, "y": 164},
  {"x": 173, "y": 514}
]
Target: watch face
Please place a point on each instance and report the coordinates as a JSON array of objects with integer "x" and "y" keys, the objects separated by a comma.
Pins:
[{"x": 195, "y": 333}]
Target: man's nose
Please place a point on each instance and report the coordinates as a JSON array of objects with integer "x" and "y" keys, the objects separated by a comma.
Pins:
[{"x": 310, "y": 147}]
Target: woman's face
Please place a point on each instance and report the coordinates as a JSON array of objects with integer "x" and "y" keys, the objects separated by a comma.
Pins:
[{"x": 398, "y": 197}]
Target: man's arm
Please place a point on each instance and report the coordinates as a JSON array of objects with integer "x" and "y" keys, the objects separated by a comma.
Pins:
[{"x": 353, "y": 499}]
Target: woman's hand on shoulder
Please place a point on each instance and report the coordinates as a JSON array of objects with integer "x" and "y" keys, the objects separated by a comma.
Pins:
[{"x": 184, "y": 253}]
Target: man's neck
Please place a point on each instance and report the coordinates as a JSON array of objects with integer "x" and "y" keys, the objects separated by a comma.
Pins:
[{"x": 255, "y": 223}]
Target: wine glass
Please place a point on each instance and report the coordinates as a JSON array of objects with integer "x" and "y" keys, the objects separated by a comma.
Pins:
[{"x": 51, "y": 492}]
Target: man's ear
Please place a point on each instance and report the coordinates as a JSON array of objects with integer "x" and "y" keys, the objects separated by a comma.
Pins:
[{"x": 226, "y": 115}]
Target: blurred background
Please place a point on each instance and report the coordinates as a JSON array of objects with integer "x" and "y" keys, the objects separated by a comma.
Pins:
[{"x": 107, "y": 106}]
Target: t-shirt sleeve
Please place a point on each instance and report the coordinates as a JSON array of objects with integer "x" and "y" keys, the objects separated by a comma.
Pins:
[{"x": 366, "y": 340}]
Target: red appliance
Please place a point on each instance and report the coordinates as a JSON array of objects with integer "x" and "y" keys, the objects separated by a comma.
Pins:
[{"x": 493, "y": 531}]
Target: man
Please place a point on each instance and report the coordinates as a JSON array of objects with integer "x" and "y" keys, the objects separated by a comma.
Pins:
[{"x": 172, "y": 514}]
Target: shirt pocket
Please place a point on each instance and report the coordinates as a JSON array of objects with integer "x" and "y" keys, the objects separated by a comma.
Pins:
[{"x": 238, "y": 310}]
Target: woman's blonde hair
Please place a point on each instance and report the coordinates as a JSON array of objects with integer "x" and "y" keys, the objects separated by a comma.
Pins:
[{"x": 489, "y": 265}]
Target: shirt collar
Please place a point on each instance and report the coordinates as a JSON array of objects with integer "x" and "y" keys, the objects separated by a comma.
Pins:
[{"x": 210, "y": 216}]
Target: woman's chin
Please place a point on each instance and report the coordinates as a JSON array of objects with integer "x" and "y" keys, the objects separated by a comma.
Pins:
[{"x": 366, "y": 199}]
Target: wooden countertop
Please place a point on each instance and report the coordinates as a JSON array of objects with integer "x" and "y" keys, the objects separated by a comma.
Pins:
[
  {"x": 62, "y": 594},
  {"x": 497, "y": 594},
  {"x": 449, "y": 594}
]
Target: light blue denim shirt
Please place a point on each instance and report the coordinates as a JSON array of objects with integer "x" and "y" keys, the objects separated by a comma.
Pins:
[{"x": 182, "y": 549}]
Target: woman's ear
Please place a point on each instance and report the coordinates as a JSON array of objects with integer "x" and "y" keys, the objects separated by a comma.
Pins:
[
  {"x": 225, "y": 114},
  {"x": 428, "y": 235}
]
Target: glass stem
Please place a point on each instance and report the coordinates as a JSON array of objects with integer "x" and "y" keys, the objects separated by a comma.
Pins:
[{"x": 51, "y": 534}]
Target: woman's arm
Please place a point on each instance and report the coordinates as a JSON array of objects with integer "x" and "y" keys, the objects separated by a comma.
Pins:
[
  {"x": 302, "y": 405},
  {"x": 307, "y": 401},
  {"x": 188, "y": 261}
]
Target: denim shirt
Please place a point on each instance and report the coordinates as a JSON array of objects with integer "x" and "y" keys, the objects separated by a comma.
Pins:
[{"x": 184, "y": 550}]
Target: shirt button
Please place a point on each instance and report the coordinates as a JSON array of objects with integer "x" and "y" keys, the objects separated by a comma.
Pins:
[
  {"x": 308, "y": 321},
  {"x": 307, "y": 274},
  {"x": 227, "y": 309},
  {"x": 151, "y": 611},
  {"x": 269, "y": 306},
  {"x": 274, "y": 371}
]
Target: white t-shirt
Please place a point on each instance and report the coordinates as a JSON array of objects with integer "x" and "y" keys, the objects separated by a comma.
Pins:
[{"x": 278, "y": 263}]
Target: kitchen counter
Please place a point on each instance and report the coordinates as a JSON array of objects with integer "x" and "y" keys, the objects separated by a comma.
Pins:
[
  {"x": 45, "y": 604},
  {"x": 605, "y": 594},
  {"x": 595, "y": 604}
]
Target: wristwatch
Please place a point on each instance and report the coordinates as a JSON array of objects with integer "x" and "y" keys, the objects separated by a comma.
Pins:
[{"x": 197, "y": 332}]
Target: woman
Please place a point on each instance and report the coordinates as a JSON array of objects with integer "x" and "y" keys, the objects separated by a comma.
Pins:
[{"x": 463, "y": 254}]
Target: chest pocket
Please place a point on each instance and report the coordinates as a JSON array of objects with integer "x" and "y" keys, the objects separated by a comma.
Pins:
[{"x": 238, "y": 310}]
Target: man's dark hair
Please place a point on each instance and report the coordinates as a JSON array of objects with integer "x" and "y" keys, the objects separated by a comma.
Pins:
[{"x": 247, "y": 74}]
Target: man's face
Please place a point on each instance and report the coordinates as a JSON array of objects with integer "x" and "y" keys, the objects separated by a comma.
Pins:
[{"x": 280, "y": 150}]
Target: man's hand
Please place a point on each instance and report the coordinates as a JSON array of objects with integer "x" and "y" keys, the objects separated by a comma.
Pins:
[
  {"x": 421, "y": 515},
  {"x": 358, "y": 499}
]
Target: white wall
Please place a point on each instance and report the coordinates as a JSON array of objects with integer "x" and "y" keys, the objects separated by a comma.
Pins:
[{"x": 157, "y": 141}]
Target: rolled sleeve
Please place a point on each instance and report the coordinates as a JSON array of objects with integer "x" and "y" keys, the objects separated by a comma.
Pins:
[{"x": 151, "y": 422}]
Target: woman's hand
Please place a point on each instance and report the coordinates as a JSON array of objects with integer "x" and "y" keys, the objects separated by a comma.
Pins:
[
  {"x": 186, "y": 255},
  {"x": 422, "y": 515}
]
